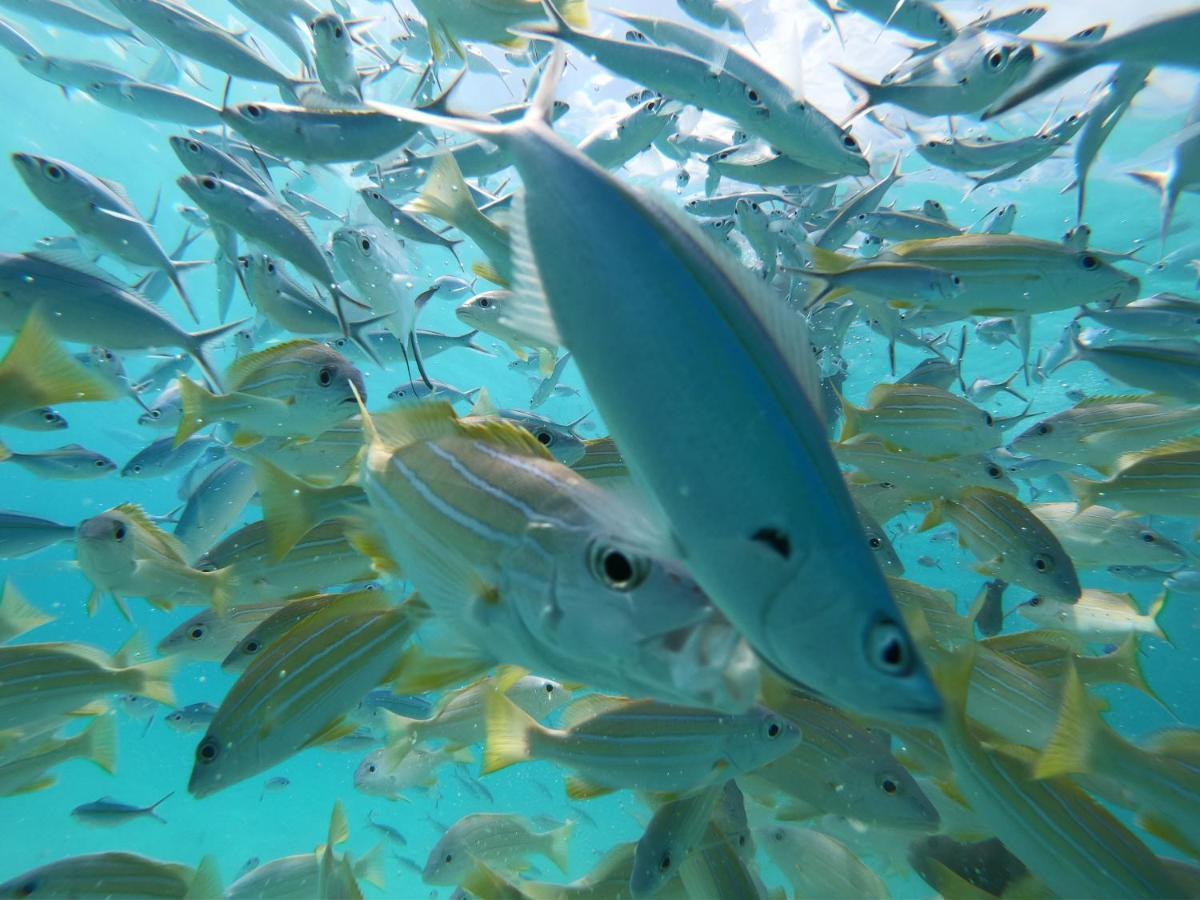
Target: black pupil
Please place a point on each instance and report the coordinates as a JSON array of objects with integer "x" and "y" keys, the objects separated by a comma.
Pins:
[
  {"x": 875, "y": 543},
  {"x": 666, "y": 862},
  {"x": 1148, "y": 538},
  {"x": 208, "y": 750},
  {"x": 889, "y": 786},
  {"x": 366, "y": 245},
  {"x": 544, "y": 438},
  {"x": 197, "y": 633},
  {"x": 484, "y": 304},
  {"x": 1040, "y": 565},
  {"x": 449, "y": 857},
  {"x": 54, "y": 171},
  {"x": 252, "y": 647},
  {"x": 893, "y": 653},
  {"x": 549, "y": 689},
  {"x": 617, "y": 567},
  {"x": 773, "y": 730},
  {"x": 119, "y": 532},
  {"x": 326, "y": 376}
]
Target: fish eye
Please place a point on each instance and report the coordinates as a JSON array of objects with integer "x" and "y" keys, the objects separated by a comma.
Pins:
[
  {"x": 616, "y": 568},
  {"x": 271, "y": 267},
  {"x": 940, "y": 19},
  {"x": 365, "y": 243},
  {"x": 754, "y": 206},
  {"x": 449, "y": 857},
  {"x": 371, "y": 769},
  {"x": 664, "y": 864},
  {"x": 156, "y": 413},
  {"x": 988, "y": 420},
  {"x": 887, "y": 648},
  {"x": 1149, "y": 537},
  {"x": 994, "y": 471},
  {"x": 849, "y": 142},
  {"x": 193, "y": 146},
  {"x": 752, "y": 95},
  {"x": 484, "y": 302},
  {"x": 53, "y": 172},
  {"x": 874, "y": 542},
  {"x": 1043, "y": 562},
  {"x": 100, "y": 464},
  {"x": 28, "y": 888},
  {"x": 996, "y": 58},
  {"x": 197, "y": 632},
  {"x": 1088, "y": 261},
  {"x": 956, "y": 281},
  {"x": 136, "y": 469},
  {"x": 254, "y": 111},
  {"x": 1034, "y": 601},
  {"x": 545, "y": 438},
  {"x": 119, "y": 532},
  {"x": 252, "y": 647},
  {"x": 208, "y": 750},
  {"x": 889, "y": 785},
  {"x": 49, "y": 417},
  {"x": 209, "y": 184},
  {"x": 772, "y": 728},
  {"x": 337, "y": 32},
  {"x": 1044, "y": 428},
  {"x": 325, "y": 376},
  {"x": 549, "y": 687}
]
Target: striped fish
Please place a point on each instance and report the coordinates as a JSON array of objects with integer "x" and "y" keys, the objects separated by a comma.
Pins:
[
  {"x": 1067, "y": 840},
  {"x": 298, "y": 691},
  {"x": 540, "y": 568},
  {"x": 641, "y": 745},
  {"x": 40, "y": 681},
  {"x": 116, "y": 875}
]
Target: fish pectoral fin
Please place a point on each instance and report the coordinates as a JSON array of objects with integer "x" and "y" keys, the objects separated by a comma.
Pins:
[
  {"x": 579, "y": 789},
  {"x": 117, "y": 214},
  {"x": 989, "y": 567},
  {"x": 245, "y": 439},
  {"x": 335, "y": 730},
  {"x": 33, "y": 787}
]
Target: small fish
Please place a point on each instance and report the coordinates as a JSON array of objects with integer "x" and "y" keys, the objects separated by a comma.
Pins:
[
  {"x": 109, "y": 813},
  {"x": 1099, "y": 537},
  {"x": 71, "y": 462},
  {"x": 818, "y": 865},
  {"x": 191, "y": 718},
  {"x": 923, "y": 419},
  {"x": 503, "y": 841},
  {"x": 1097, "y": 617},
  {"x": 22, "y": 535},
  {"x": 392, "y": 834}
]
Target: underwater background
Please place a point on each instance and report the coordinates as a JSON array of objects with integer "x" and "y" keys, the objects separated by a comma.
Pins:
[{"x": 251, "y": 821}]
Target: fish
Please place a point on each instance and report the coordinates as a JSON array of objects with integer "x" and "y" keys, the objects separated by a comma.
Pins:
[
  {"x": 22, "y": 535},
  {"x": 392, "y": 770},
  {"x": 1097, "y": 616},
  {"x": 362, "y": 647},
  {"x": 1099, "y": 537},
  {"x": 67, "y": 677},
  {"x": 923, "y": 419},
  {"x": 109, "y": 813},
  {"x": 26, "y": 770},
  {"x": 673, "y": 832},
  {"x": 17, "y": 615},
  {"x": 299, "y": 387},
  {"x": 690, "y": 745},
  {"x": 1137, "y": 481},
  {"x": 114, "y": 874},
  {"x": 1009, "y": 542},
  {"x": 210, "y": 636},
  {"x": 123, "y": 554},
  {"x": 191, "y": 718},
  {"x": 819, "y": 865},
  {"x": 72, "y": 462},
  {"x": 494, "y": 840}
]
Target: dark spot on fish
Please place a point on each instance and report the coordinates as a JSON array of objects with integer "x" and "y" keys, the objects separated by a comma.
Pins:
[{"x": 775, "y": 539}]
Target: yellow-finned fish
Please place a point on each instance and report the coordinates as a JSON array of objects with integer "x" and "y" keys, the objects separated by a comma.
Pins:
[
  {"x": 496, "y": 840},
  {"x": 123, "y": 554},
  {"x": 923, "y": 419},
  {"x": 26, "y": 771},
  {"x": 913, "y": 477},
  {"x": 1009, "y": 541},
  {"x": 17, "y": 615},
  {"x": 330, "y": 659},
  {"x": 41, "y": 681},
  {"x": 1098, "y": 537},
  {"x": 297, "y": 389},
  {"x": 1161, "y": 481},
  {"x": 638, "y": 744},
  {"x": 538, "y": 567},
  {"x": 1097, "y": 616},
  {"x": 116, "y": 875}
]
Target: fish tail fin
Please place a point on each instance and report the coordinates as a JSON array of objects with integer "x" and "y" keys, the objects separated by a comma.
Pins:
[
  {"x": 18, "y": 615},
  {"x": 935, "y": 517},
  {"x": 1071, "y": 748},
  {"x": 559, "y": 25},
  {"x": 221, "y": 588},
  {"x": 339, "y": 826},
  {"x": 1157, "y": 608},
  {"x": 851, "y": 418},
  {"x": 152, "y": 809},
  {"x": 172, "y": 272},
  {"x": 197, "y": 403},
  {"x": 291, "y": 507},
  {"x": 1154, "y": 180},
  {"x": 467, "y": 342},
  {"x": 420, "y": 672},
  {"x": 37, "y": 372},
  {"x": 575, "y": 12},
  {"x": 154, "y": 680},
  {"x": 1085, "y": 491},
  {"x": 99, "y": 743},
  {"x": 206, "y": 882},
  {"x": 560, "y": 846},
  {"x": 867, "y": 88},
  {"x": 1125, "y": 667},
  {"x": 197, "y": 348},
  {"x": 445, "y": 194},
  {"x": 508, "y": 731},
  {"x": 369, "y": 867}
]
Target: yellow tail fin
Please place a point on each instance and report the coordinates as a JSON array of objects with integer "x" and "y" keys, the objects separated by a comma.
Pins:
[
  {"x": 560, "y": 846},
  {"x": 206, "y": 883},
  {"x": 37, "y": 372},
  {"x": 370, "y": 867},
  {"x": 154, "y": 680},
  {"x": 100, "y": 743},
  {"x": 508, "y": 730},
  {"x": 197, "y": 402},
  {"x": 17, "y": 615},
  {"x": 1070, "y": 748}
]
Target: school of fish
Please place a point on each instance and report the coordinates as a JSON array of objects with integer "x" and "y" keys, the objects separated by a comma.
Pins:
[{"x": 719, "y": 585}]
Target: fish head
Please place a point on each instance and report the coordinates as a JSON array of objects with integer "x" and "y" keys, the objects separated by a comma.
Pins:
[
  {"x": 876, "y": 789},
  {"x": 1048, "y": 438},
  {"x": 326, "y": 382},
  {"x": 196, "y": 157},
  {"x": 1153, "y": 548},
  {"x": 1002, "y": 65},
  {"x": 198, "y": 638},
  {"x": 245, "y": 118},
  {"x": 539, "y": 696},
  {"x": 448, "y": 862},
  {"x": 42, "y": 419},
  {"x": 483, "y": 310},
  {"x": 106, "y": 547},
  {"x": 207, "y": 191},
  {"x": 563, "y": 444},
  {"x": 329, "y": 32},
  {"x": 762, "y": 736},
  {"x": 946, "y": 285},
  {"x": 218, "y": 762},
  {"x": 52, "y": 181},
  {"x": 371, "y": 777},
  {"x": 1092, "y": 279}
]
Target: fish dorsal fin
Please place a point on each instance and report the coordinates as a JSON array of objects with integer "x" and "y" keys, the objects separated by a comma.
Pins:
[
  {"x": 527, "y": 310},
  {"x": 241, "y": 369},
  {"x": 1183, "y": 445},
  {"x": 121, "y": 193},
  {"x": 168, "y": 544},
  {"x": 427, "y": 421},
  {"x": 483, "y": 407},
  {"x": 505, "y": 435},
  {"x": 1109, "y": 399},
  {"x": 586, "y": 708},
  {"x": 339, "y": 826}
]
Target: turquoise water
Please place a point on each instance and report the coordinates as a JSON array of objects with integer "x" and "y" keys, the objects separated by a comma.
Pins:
[{"x": 245, "y": 821}]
